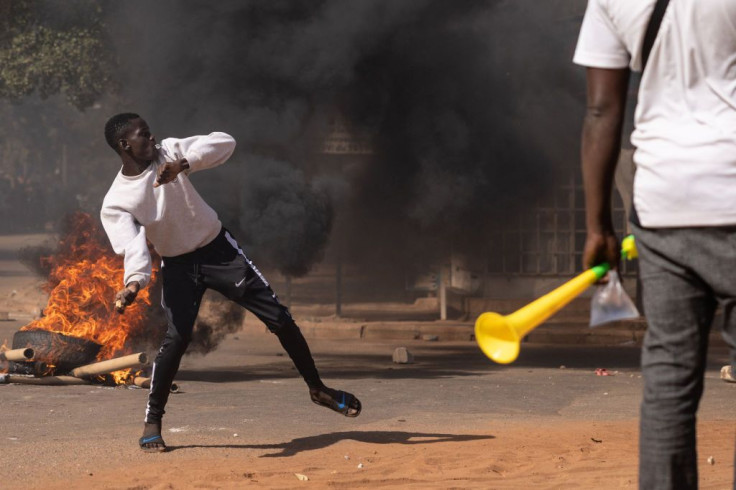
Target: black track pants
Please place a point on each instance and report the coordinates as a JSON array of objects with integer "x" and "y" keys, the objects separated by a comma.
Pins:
[{"x": 220, "y": 265}]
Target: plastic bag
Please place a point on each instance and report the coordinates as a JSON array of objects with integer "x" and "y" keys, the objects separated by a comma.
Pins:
[{"x": 610, "y": 303}]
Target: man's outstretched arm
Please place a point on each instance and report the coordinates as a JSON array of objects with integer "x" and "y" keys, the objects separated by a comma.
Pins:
[
  {"x": 600, "y": 147},
  {"x": 128, "y": 238}
]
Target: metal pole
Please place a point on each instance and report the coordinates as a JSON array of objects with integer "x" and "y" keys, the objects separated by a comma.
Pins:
[
  {"x": 338, "y": 286},
  {"x": 443, "y": 295}
]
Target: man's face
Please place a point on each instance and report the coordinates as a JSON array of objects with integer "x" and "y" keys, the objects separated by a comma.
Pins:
[{"x": 139, "y": 141}]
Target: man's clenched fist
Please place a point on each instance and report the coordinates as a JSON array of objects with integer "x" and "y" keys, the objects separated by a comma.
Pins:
[
  {"x": 169, "y": 170},
  {"x": 126, "y": 296}
]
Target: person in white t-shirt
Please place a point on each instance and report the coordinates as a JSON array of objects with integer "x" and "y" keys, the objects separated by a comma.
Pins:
[
  {"x": 684, "y": 215},
  {"x": 153, "y": 199}
]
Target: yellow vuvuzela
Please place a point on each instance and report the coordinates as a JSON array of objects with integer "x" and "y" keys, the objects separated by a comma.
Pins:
[{"x": 499, "y": 337}]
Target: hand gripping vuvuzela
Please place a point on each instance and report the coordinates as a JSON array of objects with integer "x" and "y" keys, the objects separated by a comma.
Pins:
[{"x": 499, "y": 337}]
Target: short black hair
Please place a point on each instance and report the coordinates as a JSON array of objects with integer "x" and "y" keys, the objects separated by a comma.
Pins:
[{"x": 116, "y": 126}]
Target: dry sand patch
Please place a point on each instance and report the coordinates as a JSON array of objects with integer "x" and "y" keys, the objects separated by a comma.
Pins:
[{"x": 535, "y": 454}]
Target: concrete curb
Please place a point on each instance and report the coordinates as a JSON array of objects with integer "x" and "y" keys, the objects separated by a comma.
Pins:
[
  {"x": 387, "y": 330},
  {"x": 552, "y": 332}
]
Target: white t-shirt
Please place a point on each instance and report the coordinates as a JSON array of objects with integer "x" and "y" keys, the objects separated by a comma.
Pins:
[
  {"x": 173, "y": 216},
  {"x": 686, "y": 116}
]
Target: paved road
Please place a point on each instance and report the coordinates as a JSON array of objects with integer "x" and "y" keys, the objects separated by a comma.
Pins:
[{"x": 249, "y": 388}]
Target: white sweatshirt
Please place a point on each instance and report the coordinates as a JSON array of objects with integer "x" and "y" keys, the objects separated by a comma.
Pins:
[
  {"x": 173, "y": 216},
  {"x": 685, "y": 134}
]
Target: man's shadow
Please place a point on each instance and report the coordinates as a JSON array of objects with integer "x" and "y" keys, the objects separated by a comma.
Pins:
[{"x": 321, "y": 441}]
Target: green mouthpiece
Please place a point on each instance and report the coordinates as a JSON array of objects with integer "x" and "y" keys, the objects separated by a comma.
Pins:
[{"x": 601, "y": 269}]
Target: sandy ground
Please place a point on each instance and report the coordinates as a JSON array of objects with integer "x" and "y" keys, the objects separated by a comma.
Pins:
[
  {"x": 514, "y": 455},
  {"x": 450, "y": 420}
]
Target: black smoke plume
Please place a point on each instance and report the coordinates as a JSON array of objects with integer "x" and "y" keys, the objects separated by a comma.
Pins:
[{"x": 470, "y": 106}]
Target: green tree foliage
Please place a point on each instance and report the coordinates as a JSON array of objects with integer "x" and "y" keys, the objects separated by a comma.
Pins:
[{"x": 52, "y": 47}]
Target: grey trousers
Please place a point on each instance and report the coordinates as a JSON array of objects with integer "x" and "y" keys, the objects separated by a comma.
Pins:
[{"x": 686, "y": 273}]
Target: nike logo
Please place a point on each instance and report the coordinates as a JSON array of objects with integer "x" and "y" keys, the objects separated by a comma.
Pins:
[{"x": 237, "y": 284}]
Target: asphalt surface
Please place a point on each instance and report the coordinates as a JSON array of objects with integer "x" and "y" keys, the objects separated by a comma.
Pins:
[{"x": 246, "y": 394}]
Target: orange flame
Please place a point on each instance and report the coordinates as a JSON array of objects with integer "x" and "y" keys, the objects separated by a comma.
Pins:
[{"x": 85, "y": 275}]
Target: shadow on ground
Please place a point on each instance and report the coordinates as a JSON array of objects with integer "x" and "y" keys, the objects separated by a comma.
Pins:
[{"x": 322, "y": 441}]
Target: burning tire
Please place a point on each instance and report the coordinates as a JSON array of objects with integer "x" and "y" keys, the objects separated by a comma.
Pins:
[{"x": 62, "y": 351}]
